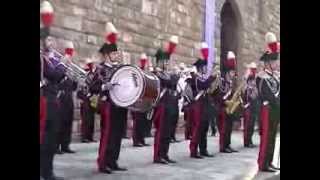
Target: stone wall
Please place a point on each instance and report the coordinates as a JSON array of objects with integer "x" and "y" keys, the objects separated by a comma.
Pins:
[{"x": 145, "y": 24}]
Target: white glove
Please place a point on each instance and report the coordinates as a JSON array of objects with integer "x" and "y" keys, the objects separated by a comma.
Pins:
[
  {"x": 89, "y": 94},
  {"x": 107, "y": 86},
  {"x": 104, "y": 98}
]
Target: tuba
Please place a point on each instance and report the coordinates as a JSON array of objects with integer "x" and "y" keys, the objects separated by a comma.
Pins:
[{"x": 235, "y": 101}]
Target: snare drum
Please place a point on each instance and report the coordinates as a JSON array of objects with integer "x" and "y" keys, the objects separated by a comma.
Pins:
[{"x": 134, "y": 89}]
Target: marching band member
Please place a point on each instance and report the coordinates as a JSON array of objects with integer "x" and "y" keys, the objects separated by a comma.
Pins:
[
  {"x": 88, "y": 109},
  {"x": 140, "y": 120},
  {"x": 250, "y": 98},
  {"x": 52, "y": 76},
  {"x": 67, "y": 87},
  {"x": 113, "y": 118},
  {"x": 175, "y": 76},
  {"x": 165, "y": 109},
  {"x": 200, "y": 106},
  {"x": 225, "y": 121},
  {"x": 268, "y": 83},
  {"x": 187, "y": 99}
]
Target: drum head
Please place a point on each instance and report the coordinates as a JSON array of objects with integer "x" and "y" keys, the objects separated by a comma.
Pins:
[{"x": 130, "y": 86}]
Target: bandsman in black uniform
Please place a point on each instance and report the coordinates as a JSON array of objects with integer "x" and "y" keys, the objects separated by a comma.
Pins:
[
  {"x": 186, "y": 107},
  {"x": 175, "y": 76},
  {"x": 113, "y": 118},
  {"x": 140, "y": 121},
  {"x": 52, "y": 75},
  {"x": 268, "y": 82},
  {"x": 88, "y": 105},
  {"x": 67, "y": 87},
  {"x": 200, "y": 107},
  {"x": 165, "y": 109},
  {"x": 226, "y": 92},
  {"x": 250, "y": 106}
]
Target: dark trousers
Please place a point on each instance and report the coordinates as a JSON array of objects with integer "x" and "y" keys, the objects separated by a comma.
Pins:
[
  {"x": 175, "y": 119},
  {"x": 213, "y": 126},
  {"x": 113, "y": 120},
  {"x": 148, "y": 128},
  {"x": 139, "y": 127},
  {"x": 87, "y": 121},
  {"x": 203, "y": 136},
  {"x": 188, "y": 123},
  {"x": 49, "y": 143},
  {"x": 200, "y": 129},
  {"x": 162, "y": 122},
  {"x": 270, "y": 120},
  {"x": 225, "y": 125},
  {"x": 66, "y": 118},
  {"x": 248, "y": 124}
]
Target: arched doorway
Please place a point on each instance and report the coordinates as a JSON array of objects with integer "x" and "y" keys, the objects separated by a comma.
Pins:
[{"x": 229, "y": 31}]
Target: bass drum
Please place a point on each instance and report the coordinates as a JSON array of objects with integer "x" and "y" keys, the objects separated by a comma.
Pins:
[{"x": 135, "y": 89}]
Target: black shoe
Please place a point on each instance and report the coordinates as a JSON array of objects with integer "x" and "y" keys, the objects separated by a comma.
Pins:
[
  {"x": 125, "y": 137},
  {"x": 145, "y": 144},
  {"x": 196, "y": 156},
  {"x": 226, "y": 151},
  {"x": 252, "y": 146},
  {"x": 170, "y": 160},
  {"x": 68, "y": 150},
  {"x": 137, "y": 145},
  {"x": 92, "y": 140},
  {"x": 54, "y": 178},
  {"x": 206, "y": 154},
  {"x": 268, "y": 170},
  {"x": 59, "y": 151},
  {"x": 105, "y": 170},
  {"x": 232, "y": 150},
  {"x": 273, "y": 167},
  {"x": 176, "y": 141},
  {"x": 160, "y": 161},
  {"x": 85, "y": 141},
  {"x": 118, "y": 168}
]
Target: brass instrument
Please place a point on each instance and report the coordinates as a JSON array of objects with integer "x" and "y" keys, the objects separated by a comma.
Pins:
[
  {"x": 94, "y": 101},
  {"x": 235, "y": 101},
  {"x": 73, "y": 71},
  {"x": 215, "y": 85}
]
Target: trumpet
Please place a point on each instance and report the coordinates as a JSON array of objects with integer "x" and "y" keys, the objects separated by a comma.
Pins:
[{"x": 73, "y": 71}]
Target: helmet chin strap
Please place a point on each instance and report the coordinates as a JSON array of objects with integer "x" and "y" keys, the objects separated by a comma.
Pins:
[{"x": 270, "y": 67}]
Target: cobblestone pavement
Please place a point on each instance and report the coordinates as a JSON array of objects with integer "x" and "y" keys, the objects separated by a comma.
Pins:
[{"x": 235, "y": 166}]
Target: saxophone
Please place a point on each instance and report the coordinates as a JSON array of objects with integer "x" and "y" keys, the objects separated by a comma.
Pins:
[{"x": 235, "y": 101}]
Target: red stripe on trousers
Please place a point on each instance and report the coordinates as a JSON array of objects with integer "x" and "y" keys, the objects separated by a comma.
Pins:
[
  {"x": 43, "y": 117},
  {"x": 246, "y": 122},
  {"x": 222, "y": 118},
  {"x": 105, "y": 132},
  {"x": 196, "y": 129},
  {"x": 158, "y": 118},
  {"x": 264, "y": 115}
]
